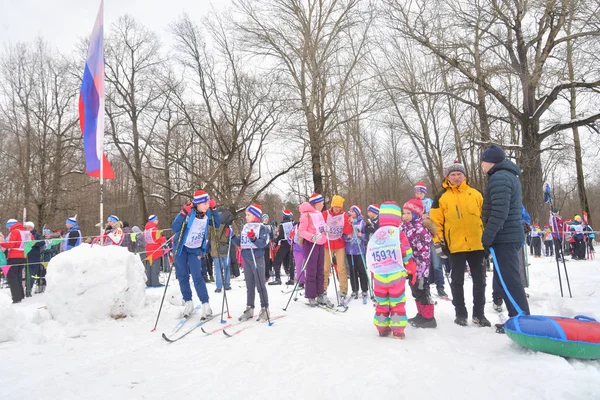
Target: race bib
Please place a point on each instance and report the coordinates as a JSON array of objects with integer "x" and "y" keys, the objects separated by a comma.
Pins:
[
  {"x": 149, "y": 236},
  {"x": 245, "y": 242},
  {"x": 287, "y": 229},
  {"x": 317, "y": 221},
  {"x": 116, "y": 236},
  {"x": 384, "y": 254},
  {"x": 336, "y": 226},
  {"x": 195, "y": 236}
]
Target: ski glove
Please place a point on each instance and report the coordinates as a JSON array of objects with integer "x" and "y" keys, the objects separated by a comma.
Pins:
[
  {"x": 186, "y": 210},
  {"x": 212, "y": 204},
  {"x": 252, "y": 235},
  {"x": 316, "y": 238},
  {"x": 439, "y": 249}
]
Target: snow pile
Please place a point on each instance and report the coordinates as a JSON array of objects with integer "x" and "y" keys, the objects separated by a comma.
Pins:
[
  {"x": 9, "y": 320},
  {"x": 91, "y": 283}
]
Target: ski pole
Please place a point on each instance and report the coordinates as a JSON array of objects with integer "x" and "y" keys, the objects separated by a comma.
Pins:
[
  {"x": 169, "y": 276},
  {"x": 223, "y": 274},
  {"x": 298, "y": 280},
  {"x": 337, "y": 295},
  {"x": 362, "y": 256},
  {"x": 261, "y": 285}
]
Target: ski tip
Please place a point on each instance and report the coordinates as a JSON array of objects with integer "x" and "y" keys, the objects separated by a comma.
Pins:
[
  {"x": 226, "y": 334},
  {"x": 270, "y": 323},
  {"x": 166, "y": 338}
]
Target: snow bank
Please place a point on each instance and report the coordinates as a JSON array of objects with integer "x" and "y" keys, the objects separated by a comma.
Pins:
[
  {"x": 9, "y": 320},
  {"x": 91, "y": 283}
]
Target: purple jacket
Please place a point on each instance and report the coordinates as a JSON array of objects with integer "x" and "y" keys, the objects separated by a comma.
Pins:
[{"x": 352, "y": 241}]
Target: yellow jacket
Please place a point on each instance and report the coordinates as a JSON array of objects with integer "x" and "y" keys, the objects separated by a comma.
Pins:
[{"x": 457, "y": 214}]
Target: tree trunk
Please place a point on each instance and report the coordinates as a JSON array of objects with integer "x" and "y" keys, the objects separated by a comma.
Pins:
[{"x": 531, "y": 165}]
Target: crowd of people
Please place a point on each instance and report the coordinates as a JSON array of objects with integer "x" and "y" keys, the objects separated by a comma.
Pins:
[{"x": 371, "y": 255}]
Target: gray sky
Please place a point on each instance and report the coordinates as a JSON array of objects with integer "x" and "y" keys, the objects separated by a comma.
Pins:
[{"x": 62, "y": 23}]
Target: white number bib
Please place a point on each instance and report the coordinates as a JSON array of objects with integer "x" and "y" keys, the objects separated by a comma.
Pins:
[
  {"x": 317, "y": 221},
  {"x": 384, "y": 254},
  {"x": 336, "y": 226},
  {"x": 195, "y": 236},
  {"x": 245, "y": 242},
  {"x": 287, "y": 229}
]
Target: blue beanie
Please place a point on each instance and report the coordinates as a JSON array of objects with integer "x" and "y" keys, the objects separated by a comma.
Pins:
[
  {"x": 113, "y": 218},
  {"x": 152, "y": 218},
  {"x": 10, "y": 223},
  {"x": 493, "y": 154}
]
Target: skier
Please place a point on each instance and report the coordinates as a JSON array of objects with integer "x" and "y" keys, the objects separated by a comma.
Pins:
[
  {"x": 154, "y": 251},
  {"x": 355, "y": 250},
  {"x": 73, "y": 236},
  {"x": 15, "y": 244},
  {"x": 373, "y": 220},
  {"x": 253, "y": 240},
  {"x": 536, "y": 240},
  {"x": 547, "y": 235},
  {"x": 436, "y": 274},
  {"x": 298, "y": 252},
  {"x": 283, "y": 244},
  {"x": 219, "y": 246},
  {"x": 264, "y": 219},
  {"x": 311, "y": 230},
  {"x": 419, "y": 231},
  {"x": 189, "y": 246},
  {"x": 578, "y": 236},
  {"x": 336, "y": 225},
  {"x": 389, "y": 256},
  {"x": 33, "y": 257}
]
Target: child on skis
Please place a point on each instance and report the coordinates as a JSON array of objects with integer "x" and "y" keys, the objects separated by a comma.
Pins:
[
  {"x": 389, "y": 257},
  {"x": 253, "y": 240},
  {"x": 190, "y": 228},
  {"x": 355, "y": 250},
  {"x": 418, "y": 232},
  {"x": 311, "y": 229}
]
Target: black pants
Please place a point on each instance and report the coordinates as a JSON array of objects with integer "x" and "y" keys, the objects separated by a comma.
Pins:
[
  {"x": 15, "y": 278},
  {"x": 507, "y": 255},
  {"x": 356, "y": 267},
  {"x": 549, "y": 248},
  {"x": 580, "y": 249},
  {"x": 458, "y": 263},
  {"x": 282, "y": 256},
  {"x": 558, "y": 250},
  {"x": 268, "y": 262},
  {"x": 420, "y": 291},
  {"x": 537, "y": 246}
]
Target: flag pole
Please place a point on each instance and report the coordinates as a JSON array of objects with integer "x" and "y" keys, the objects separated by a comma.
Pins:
[{"x": 102, "y": 155}]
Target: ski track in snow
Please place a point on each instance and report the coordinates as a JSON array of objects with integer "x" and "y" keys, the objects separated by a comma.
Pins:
[{"x": 308, "y": 354}]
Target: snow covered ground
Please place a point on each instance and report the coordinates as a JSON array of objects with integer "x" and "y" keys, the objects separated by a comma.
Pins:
[{"x": 308, "y": 354}]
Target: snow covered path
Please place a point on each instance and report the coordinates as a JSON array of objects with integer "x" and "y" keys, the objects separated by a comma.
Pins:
[{"x": 308, "y": 354}]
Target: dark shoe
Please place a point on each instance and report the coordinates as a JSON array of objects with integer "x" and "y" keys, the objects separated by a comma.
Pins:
[
  {"x": 217, "y": 290},
  {"x": 290, "y": 283},
  {"x": 498, "y": 304},
  {"x": 425, "y": 323},
  {"x": 228, "y": 288},
  {"x": 499, "y": 328},
  {"x": 301, "y": 286},
  {"x": 415, "y": 319},
  {"x": 277, "y": 281},
  {"x": 481, "y": 321},
  {"x": 16, "y": 301},
  {"x": 441, "y": 292},
  {"x": 462, "y": 321}
]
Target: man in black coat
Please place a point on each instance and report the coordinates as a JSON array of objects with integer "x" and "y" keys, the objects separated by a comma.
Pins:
[
  {"x": 501, "y": 215},
  {"x": 33, "y": 257}
]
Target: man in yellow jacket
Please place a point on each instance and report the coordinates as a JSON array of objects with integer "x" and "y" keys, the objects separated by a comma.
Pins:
[{"x": 457, "y": 213}]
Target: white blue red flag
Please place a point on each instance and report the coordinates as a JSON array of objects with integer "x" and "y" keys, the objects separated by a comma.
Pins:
[{"x": 91, "y": 103}]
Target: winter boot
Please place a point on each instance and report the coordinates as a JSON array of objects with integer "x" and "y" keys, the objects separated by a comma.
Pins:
[
  {"x": 312, "y": 302},
  {"x": 462, "y": 321},
  {"x": 277, "y": 281},
  {"x": 427, "y": 320},
  {"x": 249, "y": 313},
  {"x": 385, "y": 333},
  {"x": 206, "y": 311},
  {"x": 324, "y": 301},
  {"x": 442, "y": 293},
  {"x": 481, "y": 321},
  {"x": 290, "y": 282},
  {"x": 217, "y": 290},
  {"x": 342, "y": 298},
  {"x": 263, "y": 316},
  {"x": 188, "y": 309},
  {"x": 354, "y": 295},
  {"x": 499, "y": 328},
  {"x": 498, "y": 304},
  {"x": 418, "y": 316}
]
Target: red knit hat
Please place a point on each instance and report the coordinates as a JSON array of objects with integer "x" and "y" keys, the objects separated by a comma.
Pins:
[
  {"x": 420, "y": 187},
  {"x": 200, "y": 196},
  {"x": 288, "y": 213},
  {"x": 255, "y": 209},
  {"x": 316, "y": 198},
  {"x": 415, "y": 206}
]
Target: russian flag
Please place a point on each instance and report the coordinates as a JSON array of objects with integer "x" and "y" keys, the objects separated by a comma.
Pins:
[{"x": 91, "y": 103}]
